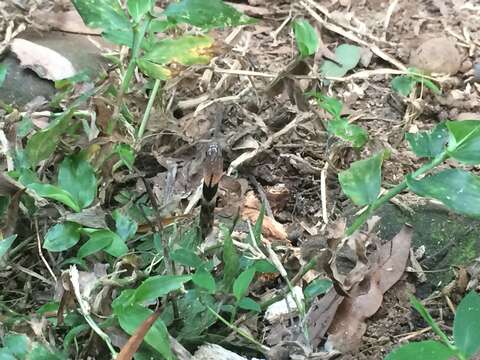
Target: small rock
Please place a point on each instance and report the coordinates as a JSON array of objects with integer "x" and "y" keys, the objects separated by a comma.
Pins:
[
  {"x": 468, "y": 116},
  {"x": 437, "y": 55}
]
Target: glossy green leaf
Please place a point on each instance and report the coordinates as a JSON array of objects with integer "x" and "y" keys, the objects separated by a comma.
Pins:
[
  {"x": 55, "y": 193},
  {"x": 330, "y": 104},
  {"x": 306, "y": 37},
  {"x": 361, "y": 182},
  {"x": 6, "y": 244},
  {"x": 61, "y": 237},
  {"x": 117, "y": 246},
  {"x": 242, "y": 282},
  {"x": 249, "y": 304},
  {"x": 99, "y": 240},
  {"x": 347, "y": 57},
  {"x": 138, "y": 8},
  {"x": 264, "y": 266},
  {"x": 153, "y": 70},
  {"x": 186, "y": 257},
  {"x": 464, "y": 142},
  {"x": 3, "y": 73},
  {"x": 352, "y": 133},
  {"x": 429, "y": 143},
  {"x": 125, "y": 226},
  {"x": 126, "y": 154},
  {"x": 205, "y": 280},
  {"x": 44, "y": 142},
  {"x": 466, "y": 326},
  {"x": 206, "y": 14},
  {"x": 403, "y": 84},
  {"x": 186, "y": 50},
  {"x": 77, "y": 177},
  {"x": 424, "y": 350},
  {"x": 17, "y": 345},
  {"x": 42, "y": 352},
  {"x": 106, "y": 15},
  {"x": 231, "y": 260},
  {"x": 459, "y": 190},
  {"x": 317, "y": 287},
  {"x": 131, "y": 317},
  {"x": 160, "y": 285}
]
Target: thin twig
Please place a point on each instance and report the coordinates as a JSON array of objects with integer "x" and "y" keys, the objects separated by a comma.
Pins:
[{"x": 39, "y": 247}]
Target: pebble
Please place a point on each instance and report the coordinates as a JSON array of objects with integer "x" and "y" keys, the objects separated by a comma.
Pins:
[{"x": 437, "y": 55}]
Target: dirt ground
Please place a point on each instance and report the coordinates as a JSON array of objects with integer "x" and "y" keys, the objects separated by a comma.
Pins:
[{"x": 292, "y": 152}]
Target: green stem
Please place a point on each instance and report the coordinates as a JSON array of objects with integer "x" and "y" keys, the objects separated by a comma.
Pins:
[
  {"x": 139, "y": 35},
  {"x": 148, "y": 110},
  {"x": 361, "y": 219},
  {"x": 240, "y": 332}
]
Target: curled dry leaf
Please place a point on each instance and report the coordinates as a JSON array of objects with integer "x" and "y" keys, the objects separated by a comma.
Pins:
[
  {"x": 272, "y": 229},
  {"x": 349, "y": 325},
  {"x": 45, "y": 62},
  {"x": 68, "y": 21}
]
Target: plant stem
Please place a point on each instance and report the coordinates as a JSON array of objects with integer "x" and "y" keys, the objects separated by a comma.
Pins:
[
  {"x": 240, "y": 332},
  {"x": 138, "y": 36},
  {"x": 361, "y": 219},
  {"x": 148, "y": 110}
]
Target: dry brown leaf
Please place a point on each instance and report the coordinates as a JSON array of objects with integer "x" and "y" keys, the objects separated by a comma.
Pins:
[
  {"x": 272, "y": 229},
  {"x": 348, "y": 326},
  {"x": 45, "y": 62}
]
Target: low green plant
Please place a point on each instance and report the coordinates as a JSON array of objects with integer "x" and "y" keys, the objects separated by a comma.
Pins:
[
  {"x": 457, "y": 189},
  {"x": 405, "y": 84},
  {"x": 339, "y": 125},
  {"x": 466, "y": 335}
]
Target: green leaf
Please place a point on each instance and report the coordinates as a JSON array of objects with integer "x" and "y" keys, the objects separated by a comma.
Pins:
[
  {"x": 428, "y": 318},
  {"x": 231, "y": 259},
  {"x": 106, "y": 15},
  {"x": 44, "y": 142},
  {"x": 117, "y": 246},
  {"x": 160, "y": 285},
  {"x": 464, "y": 142},
  {"x": 125, "y": 226},
  {"x": 257, "y": 229},
  {"x": 317, "y": 287},
  {"x": 186, "y": 50},
  {"x": 330, "y": 104},
  {"x": 459, "y": 190},
  {"x": 466, "y": 326},
  {"x": 55, "y": 193},
  {"x": 242, "y": 282},
  {"x": 347, "y": 56},
  {"x": 206, "y": 14},
  {"x": 403, "y": 84},
  {"x": 77, "y": 177},
  {"x": 249, "y": 304},
  {"x": 361, "y": 182},
  {"x": 99, "y": 240},
  {"x": 17, "y": 345},
  {"x": 264, "y": 266},
  {"x": 204, "y": 279},
  {"x": 154, "y": 71},
  {"x": 126, "y": 154},
  {"x": 3, "y": 73},
  {"x": 6, "y": 244},
  {"x": 158, "y": 25},
  {"x": 138, "y": 8},
  {"x": 62, "y": 236},
  {"x": 424, "y": 350},
  {"x": 429, "y": 143},
  {"x": 186, "y": 257},
  {"x": 352, "y": 133},
  {"x": 306, "y": 37},
  {"x": 132, "y": 317}
]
